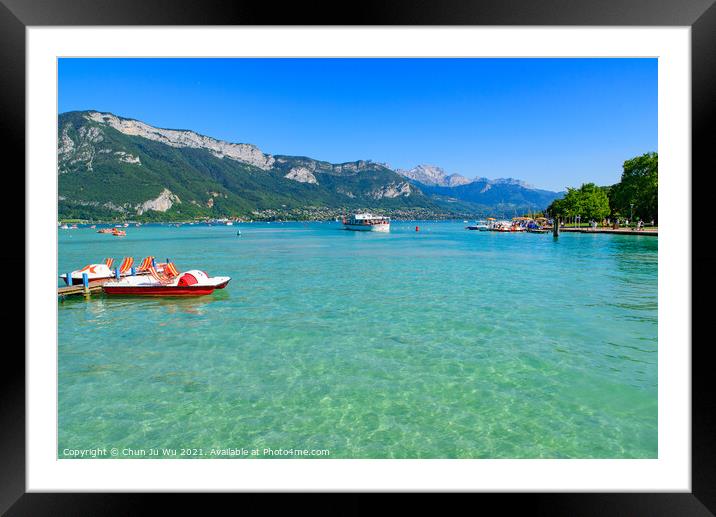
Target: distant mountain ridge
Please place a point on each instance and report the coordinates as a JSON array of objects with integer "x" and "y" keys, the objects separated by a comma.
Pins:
[
  {"x": 498, "y": 195},
  {"x": 436, "y": 176},
  {"x": 433, "y": 175},
  {"x": 114, "y": 167}
]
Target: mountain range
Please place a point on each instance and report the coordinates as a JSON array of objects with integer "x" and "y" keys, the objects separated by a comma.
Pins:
[{"x": 110, "y": 167}]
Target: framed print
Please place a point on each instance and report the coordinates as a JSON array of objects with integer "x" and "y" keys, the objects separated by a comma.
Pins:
[{"x": 416, "y": 253}]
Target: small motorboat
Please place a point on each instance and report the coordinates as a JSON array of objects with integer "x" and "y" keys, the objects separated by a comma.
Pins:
[
  {"x": 118, "y": 233},
  {"x": 189, "y": 283},
  {"x": 479, "y": 226},
  {"x": 105, "y": 230}
]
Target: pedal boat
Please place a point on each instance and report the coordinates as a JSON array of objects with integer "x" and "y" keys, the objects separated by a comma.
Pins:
[
  {"x": 94, "y": 272},
  {"x": 189, "y": 283}
]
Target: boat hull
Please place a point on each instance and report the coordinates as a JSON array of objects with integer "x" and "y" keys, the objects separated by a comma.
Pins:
[
  {"x": 367, "y": 227},
  {"x": 160, "y": 290},
  {"x": 222, "y": 285},
  {"x": 135, "y": 286}
]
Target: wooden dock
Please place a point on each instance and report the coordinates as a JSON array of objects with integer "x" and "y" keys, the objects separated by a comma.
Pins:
[{"x": 78, "y": 290}]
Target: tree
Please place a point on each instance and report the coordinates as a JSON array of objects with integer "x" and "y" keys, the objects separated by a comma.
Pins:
[
  {"x": 593, "y": 202},
  {"x": 637, "y": 194},
  {"x": 588, "y": 201}
]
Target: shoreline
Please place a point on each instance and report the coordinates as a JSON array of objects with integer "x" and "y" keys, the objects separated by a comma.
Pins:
[
  {"x": 618, "y": 231},
  {"x": 651, "y": 232}
]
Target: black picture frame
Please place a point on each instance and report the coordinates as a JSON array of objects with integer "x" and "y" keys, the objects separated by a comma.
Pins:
[{"x": 700, "y": 15}]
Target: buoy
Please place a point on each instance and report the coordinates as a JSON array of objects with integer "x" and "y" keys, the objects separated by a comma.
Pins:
[
  {"x": 417, "y": 228},
  {"x": 238, "y": 233}
]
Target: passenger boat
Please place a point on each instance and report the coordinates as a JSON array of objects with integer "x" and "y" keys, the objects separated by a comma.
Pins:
[
  {"x": 367, "y": 223},
  {"x": 189, "y": 283},
  {"x": 501, "y": 226},
  {"x": 118, "y": 233}
]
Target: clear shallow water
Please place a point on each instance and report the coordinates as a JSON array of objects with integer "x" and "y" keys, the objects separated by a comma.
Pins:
[{"x": 445, "y": 343}]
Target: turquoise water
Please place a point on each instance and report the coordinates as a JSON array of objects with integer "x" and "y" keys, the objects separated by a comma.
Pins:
[{"x": 444, "y": 343}]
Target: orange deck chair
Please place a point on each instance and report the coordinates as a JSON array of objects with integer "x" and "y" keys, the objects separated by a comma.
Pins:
[
  {"x": 170, "y": 270},
  {"x": 126, "y": 265},
  {"x": 109, "y": 261},
  {"x": 159, "y": 277},
  {"x": 146, "y": 264}
]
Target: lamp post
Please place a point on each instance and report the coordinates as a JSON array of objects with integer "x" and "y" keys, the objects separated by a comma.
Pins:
[{"x": 631, "y": 213}]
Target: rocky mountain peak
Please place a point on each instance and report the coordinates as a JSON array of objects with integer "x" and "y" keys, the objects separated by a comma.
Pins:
[{"x": 246, "y": 153}]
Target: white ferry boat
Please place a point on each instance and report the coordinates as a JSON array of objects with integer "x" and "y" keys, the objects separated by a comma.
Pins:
[{"x": 367, "y": 223}]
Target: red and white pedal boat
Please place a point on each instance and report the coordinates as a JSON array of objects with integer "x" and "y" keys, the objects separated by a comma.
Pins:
[{"x": 189, "y": 283}]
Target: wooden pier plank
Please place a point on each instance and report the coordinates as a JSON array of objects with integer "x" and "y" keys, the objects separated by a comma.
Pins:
[{"x": 70, "y": 290}]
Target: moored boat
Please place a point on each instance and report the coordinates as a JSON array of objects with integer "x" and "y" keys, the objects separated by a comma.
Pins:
[
  {"x": 501, "y": 226},
  {"x": 190, "y": 283},
  {"x": 479, "y": 226},
  {"x": 367, "y": 223},
  {"x": 94, "y": 272}
]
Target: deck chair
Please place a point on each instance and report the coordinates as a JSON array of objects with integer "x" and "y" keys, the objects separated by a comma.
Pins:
[
  {"x": 146, "y": 264},
  {"x": 109, "y": 261},
  {"x": 159, "y": 277},
  {"x": 170, "y": 270},
  {"x": 126, "y": 265}
]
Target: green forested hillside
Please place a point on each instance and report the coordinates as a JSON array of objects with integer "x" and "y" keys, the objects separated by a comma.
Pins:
[
  {"x": 113, "y": 168},
  {"x": 104, "y": 173}
]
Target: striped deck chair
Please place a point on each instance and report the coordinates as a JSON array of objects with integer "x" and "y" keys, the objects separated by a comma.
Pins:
[
  {"x": 126, "y": 265},
  {"x": 146, "y": 264},
  {"x": 109, "y": 261},
  {"x": 159, "y": 277},
  {"x": 170, "y": 270}
]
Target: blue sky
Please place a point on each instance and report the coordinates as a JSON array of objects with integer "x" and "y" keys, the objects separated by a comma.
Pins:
[{"x": 551, "y": 122}]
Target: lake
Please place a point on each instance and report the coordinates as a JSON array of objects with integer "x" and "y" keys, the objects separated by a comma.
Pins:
[{"x": 442, "y": 343}]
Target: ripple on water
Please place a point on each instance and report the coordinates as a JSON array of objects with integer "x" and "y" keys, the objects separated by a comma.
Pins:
[{"x": 437, "y": 344}]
